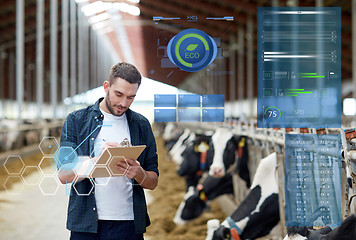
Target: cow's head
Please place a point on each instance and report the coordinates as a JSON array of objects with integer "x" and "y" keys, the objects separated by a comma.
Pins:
[
  {"x": 191, "y": 207},
  {"x": 222, "y": 152},
  {"x": 179, "y": 146},
  {"x": 222, "y": 233},
  {"x": 190, "y": 163},
  {"x": 216, "y": 232},
  {"x": 346, "y": 231},
  {"x": 169, "y": 132}
]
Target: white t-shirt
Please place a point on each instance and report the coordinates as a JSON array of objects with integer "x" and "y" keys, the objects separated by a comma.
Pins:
[{"x": 113, "y": 195}]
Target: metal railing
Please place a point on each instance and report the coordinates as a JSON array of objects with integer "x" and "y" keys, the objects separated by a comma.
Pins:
[{"x": 263, "y": 141}]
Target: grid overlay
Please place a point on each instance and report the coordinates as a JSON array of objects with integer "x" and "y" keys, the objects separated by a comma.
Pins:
[{"x": 189, "y": 108}]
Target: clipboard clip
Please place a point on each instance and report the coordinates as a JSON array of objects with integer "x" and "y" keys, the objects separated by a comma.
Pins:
[{"x": 125, "y": 143}]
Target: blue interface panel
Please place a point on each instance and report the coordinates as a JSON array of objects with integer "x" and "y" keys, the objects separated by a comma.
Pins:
[
  {"x": 213, "y": 100},
  {"x": 213, "y": 115},
  {"x": 188, "y": 100},
  {"x": 165, "y": 115},
  {"x": 189, "y": 115},
  {"x": 312, "y": 180},
  {"x": 165, "y": 100},
  {"x": 189, "y": 108},
  {"x": 299, "y": 67}
]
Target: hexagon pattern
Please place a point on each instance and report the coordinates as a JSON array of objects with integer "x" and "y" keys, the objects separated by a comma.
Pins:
[
  {"x": 144, "y": 178},
  {"x": 113, "y": 170},
  {"x": 49, "y": 185},
  {"x": 48, "y": 145},
  {"x": 83, "y": 193},
  {"x": 101, "y": 170},
  {"x": 104, "y": 158},
  {"x": 14, "y": 164},
  {"x": 66, "y": 158},
  {"x": 31, "y": 178},
  {"x": 47, "y": 166},
  {"x": 13, "y": 184}
]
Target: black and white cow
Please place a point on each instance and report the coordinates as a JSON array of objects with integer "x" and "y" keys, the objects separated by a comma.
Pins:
[
  {"x": 258, "y": 213},
  {"x": 195, "y": 162},
  {"x": 31, "y": 136},
  {"x": 346, "y": 231},
  {"x": 171, "y": 135},
  {"x": 225, "y": 151},
  {"x": 177, "y": 150},
  {"x": 9, "y": 134},
  {"x": 222, "y": 151},
  {"x": 195, "y": 200}
]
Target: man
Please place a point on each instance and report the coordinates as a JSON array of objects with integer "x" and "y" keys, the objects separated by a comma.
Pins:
[{"x": 115, "y": 209}]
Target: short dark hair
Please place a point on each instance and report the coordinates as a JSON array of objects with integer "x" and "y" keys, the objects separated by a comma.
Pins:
[{"x": 125, "y": 71}]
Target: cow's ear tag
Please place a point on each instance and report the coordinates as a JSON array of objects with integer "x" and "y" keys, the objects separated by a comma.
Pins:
[
  {"x": 202, "y": 196},
  {"x": 242, "y": 142},
  {"x": 235, "y": 235},
  {"x": 202, "y": 147}
]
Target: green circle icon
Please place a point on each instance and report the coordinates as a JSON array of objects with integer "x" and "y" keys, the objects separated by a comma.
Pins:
[{"x": 273, "y": 114}]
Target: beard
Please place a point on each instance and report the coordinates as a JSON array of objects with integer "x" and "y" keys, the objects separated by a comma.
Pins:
[{"x": 111, "y": 107}]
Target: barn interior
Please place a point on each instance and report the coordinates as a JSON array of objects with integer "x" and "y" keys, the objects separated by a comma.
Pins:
[{"x": 56, "y": 54}]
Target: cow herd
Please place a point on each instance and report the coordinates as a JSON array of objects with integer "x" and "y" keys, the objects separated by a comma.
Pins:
[
  {"x": 15, "y": 134},
  {"x": 208, "y": 160}
]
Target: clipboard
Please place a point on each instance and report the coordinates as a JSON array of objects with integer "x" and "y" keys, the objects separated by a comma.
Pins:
[{"x": 105, "y": 165}]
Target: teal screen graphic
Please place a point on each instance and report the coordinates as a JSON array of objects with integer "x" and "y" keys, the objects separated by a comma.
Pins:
[
  {"x": 299, "y": 67},
  {"x": 312, "y": 179}
]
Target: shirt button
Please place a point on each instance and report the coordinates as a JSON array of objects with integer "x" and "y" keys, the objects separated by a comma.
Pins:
[{"x": 94, "y": 209}]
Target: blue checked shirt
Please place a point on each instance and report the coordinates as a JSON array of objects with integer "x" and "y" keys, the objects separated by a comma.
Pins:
[{"x": 79, "y": 132}]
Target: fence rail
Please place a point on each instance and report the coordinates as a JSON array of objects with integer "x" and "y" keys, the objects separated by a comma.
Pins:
[{"x": 264, "y": 141}]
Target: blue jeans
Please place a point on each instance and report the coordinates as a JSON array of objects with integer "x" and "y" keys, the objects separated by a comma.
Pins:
[{"x": 110, "y": 230}]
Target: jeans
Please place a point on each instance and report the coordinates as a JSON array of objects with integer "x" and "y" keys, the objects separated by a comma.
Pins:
[{"x": 110, "y": 230}]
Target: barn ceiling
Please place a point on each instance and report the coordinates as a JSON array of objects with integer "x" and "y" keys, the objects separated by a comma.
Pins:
[{"x": 145, "y": 36}]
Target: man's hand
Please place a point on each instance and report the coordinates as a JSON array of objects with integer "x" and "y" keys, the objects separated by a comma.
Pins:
[{"x": 130, "y": 168}]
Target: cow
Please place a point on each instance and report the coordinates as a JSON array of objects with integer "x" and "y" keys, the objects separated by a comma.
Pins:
[
  {"x": 222, "y": 154},
  {"x": 195, "y": 200},
  {"x": 9, "y": 134},
  {"x": 170, "y": 135},
  {"x": 194, "y": 162},
  {"x": 182, "y": 143},
  {"x": 32, "y": 136},
  {"x": 258, "y": 213},
  {"x": 346, "y": 231}
]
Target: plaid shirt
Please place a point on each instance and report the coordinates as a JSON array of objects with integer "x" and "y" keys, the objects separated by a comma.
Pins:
[{"x": 79, "y": 132}]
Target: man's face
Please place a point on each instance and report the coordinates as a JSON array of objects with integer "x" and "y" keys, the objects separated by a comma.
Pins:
[{"x": 119, "y": 95}]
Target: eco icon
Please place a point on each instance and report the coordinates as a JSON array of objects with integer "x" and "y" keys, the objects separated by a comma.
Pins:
[{"x": 192, "y": 50}]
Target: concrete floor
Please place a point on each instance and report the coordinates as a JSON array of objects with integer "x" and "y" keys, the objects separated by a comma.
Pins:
[{"x": 31, "y": 215}]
